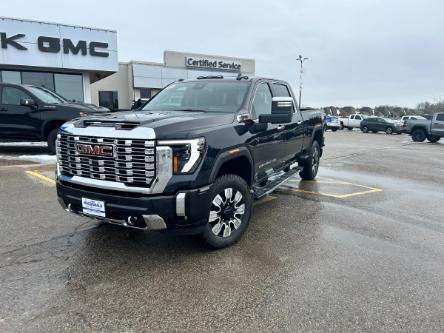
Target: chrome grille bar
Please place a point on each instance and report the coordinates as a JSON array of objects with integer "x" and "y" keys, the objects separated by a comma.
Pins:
[{"x": 133, "y": 164}]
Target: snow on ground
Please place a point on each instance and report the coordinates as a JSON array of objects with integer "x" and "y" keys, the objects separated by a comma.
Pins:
[
  {"x": 34, "y": 158},
  {"x": 25, "y": 152}
]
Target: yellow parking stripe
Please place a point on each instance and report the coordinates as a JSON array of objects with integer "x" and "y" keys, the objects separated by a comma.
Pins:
[{"x": 37, "y": 174}]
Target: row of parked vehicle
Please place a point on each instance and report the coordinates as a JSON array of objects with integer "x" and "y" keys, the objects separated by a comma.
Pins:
[{"x": 420, "y": 128}]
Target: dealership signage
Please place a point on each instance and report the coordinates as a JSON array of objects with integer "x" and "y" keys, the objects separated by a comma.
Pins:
[
  {"x": 56, "y": 45},
  {"x": 51, "y": 45},
  {"x": 211, "y": 63}
]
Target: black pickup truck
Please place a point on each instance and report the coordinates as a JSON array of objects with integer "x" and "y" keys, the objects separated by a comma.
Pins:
[
  {"x": 31, "y": 113},
  {"x": 192, "y": 160}
]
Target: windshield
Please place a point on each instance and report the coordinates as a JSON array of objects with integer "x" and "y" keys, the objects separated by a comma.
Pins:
[
  {"x": 214, "y": 96},
  {"x": 46, "y": 96}
]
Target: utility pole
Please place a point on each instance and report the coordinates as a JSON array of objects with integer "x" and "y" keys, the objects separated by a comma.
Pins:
[{"x": 301, "y": 60}]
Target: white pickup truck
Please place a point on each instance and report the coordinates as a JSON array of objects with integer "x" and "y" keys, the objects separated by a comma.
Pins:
[{"x": 352, "y": 121}]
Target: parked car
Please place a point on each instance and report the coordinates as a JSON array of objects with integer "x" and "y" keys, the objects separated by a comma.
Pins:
[
  {"x": 194, "y": 166},
  {"x": 378, "y": 124},
  {"x": 352, "y": 121},
  {"x": 331, "y": 123},
  {"x": 30, "y": 113},
  {"x": 432, "y": 130},
  {"x": 405, "y": 119}
]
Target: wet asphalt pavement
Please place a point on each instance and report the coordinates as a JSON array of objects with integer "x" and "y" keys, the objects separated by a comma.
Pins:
[{"x": 360, "y": 249}]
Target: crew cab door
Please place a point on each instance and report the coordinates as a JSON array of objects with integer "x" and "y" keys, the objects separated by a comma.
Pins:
[
  {"x": 17, "y": 121},
  {"x": 265, "y": 141},
  {"x": 292, "y": 134},
  {"x": 438, "y": 125}
]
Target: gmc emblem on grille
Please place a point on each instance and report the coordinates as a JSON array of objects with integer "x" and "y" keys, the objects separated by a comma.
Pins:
[{"x": 98, "y": 150}]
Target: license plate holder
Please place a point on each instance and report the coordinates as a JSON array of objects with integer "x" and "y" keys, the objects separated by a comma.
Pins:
[{"x": 93, "y": 207}]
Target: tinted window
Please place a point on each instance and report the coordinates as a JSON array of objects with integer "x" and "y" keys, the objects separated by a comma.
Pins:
[
  {"x": 440, "y": 117},
  {"x": 109, "y": 99},
  {"x": 69, "y": 86},
  {"x": 352, "y": 117},
  {"x": 11, "y": 77},
  {"x": 358, "y": 118},
  {"x": 39, "y": 79},
  {"x": 262, "y": 100},
  {"x": 13, "y": 96},
  {"x": 210, "y": 96},
  {"x": 280, "y": 90}
]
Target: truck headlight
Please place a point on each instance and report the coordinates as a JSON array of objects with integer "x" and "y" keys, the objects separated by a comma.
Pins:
[{"x": 186, "y": 154}]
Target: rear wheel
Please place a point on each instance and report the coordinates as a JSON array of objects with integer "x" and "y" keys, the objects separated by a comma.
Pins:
[
  {"x": 365, "y": 129},
  {"x": 311, "y": 166},
  {"x": 418, "y": 135},
  {"x": 230, "y": 210},
  {"x": 389, "y": 130},
  {"x": 52, "y": 137},
  {"x": 433, "y": 139}
]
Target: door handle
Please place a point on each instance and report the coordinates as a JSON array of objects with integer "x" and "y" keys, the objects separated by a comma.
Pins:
[{"x": 280, "y": 127}]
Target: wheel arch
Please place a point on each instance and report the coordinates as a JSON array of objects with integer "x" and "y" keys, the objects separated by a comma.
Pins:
[
  {"x": 236, "y": 161},
  {"x": 49, "y": 126}
]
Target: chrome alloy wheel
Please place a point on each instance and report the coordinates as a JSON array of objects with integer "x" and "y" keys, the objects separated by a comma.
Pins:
[
  {"x": 226, "y": 213},
  {"x": 315, "y": 161}
]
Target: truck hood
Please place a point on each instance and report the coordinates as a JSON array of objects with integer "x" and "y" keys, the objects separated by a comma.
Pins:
[{"x": 166, "y": 124}]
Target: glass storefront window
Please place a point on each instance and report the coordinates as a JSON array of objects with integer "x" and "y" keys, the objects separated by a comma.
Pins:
[
  {"x": 11, "y": 77},
  {"x": 69, "y": 86},
  {"x": 39, "y": 79}
]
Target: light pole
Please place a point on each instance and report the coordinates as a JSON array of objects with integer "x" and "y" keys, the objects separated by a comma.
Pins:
[{"x": 301, "y": 60}]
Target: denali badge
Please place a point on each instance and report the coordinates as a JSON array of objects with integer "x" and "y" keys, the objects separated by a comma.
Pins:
[{"x": 98, "y": 150}]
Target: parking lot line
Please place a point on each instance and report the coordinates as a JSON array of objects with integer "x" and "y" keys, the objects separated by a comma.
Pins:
[
  {"x": 341, "y": 196},
  {"x": 37, "y": 174}
]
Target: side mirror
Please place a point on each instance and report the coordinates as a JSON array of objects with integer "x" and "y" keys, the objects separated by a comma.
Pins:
[
  {"x": 282, "y": 109},
  {"x": 27, "y": 102}
]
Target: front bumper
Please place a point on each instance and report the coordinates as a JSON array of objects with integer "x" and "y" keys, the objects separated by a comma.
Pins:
[{"x": 185, "y": 211}]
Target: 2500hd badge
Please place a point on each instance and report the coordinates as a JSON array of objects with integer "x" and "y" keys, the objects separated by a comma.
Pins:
[{"x": 192, "y": 160}]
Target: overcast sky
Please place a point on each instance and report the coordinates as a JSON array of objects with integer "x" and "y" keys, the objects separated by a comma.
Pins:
[{"x": 362, "y": 52}]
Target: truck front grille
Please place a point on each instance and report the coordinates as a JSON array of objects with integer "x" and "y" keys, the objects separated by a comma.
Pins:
[{"x": 133, "y": 162}]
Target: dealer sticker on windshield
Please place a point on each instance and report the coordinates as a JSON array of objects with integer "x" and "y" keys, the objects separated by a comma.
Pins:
[{"x": 93, "y": 207}]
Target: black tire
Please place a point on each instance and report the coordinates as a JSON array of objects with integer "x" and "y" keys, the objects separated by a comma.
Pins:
[
  {"x": 342, "y": 125},
  {"x": 225, "y": 212},
  {"x": 433, "y": 139},
  {"x": 418, "y": 135},
  {"x": 52, "y": 137},
  {"x": 364, "y": 129},
  {"x": 334, "y": 129},
  {"x": 350, "y": 128},
  {"x": 311, "y": 166},
  {"x": 389, "y": 130}
]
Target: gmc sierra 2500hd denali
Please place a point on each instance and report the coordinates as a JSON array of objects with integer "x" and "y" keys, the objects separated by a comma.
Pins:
[{"x": 193, "y": 159}]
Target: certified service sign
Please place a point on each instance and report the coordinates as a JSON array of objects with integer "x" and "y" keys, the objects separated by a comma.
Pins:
[{"x": 211, "y": 63}]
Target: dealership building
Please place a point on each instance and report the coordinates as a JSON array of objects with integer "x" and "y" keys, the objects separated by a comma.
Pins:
[{"x": 81, "y": 63}]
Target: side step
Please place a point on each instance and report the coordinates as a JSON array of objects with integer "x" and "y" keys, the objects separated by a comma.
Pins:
[{"x": 274, "y": 182}]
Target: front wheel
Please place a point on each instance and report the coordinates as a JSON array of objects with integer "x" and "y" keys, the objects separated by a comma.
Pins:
[
  {"x": 311, "y": 166},
  {"x": 52, "y": 137},
  {"x": 365, "y": 129},
  {"x": 389, "y": 130},
  {"x": 418, "y": 135},
  {"x": 230, "y": 210}
]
